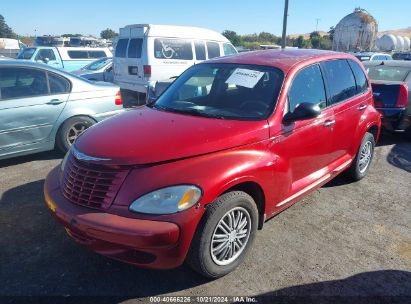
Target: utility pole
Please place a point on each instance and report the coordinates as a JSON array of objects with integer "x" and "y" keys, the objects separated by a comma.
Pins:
[
  {"x": 316, "y": 26},
  {"x": 283, "y": 41}
]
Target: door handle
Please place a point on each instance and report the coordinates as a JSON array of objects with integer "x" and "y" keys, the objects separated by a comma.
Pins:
[
  {"x": 362, "y": 107},
  {"x": 55, "y": 102},
  {"x": 329, "y": 123}
]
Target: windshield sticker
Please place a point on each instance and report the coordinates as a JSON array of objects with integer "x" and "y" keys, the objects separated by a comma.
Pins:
[{"x": 245, "y": 78}]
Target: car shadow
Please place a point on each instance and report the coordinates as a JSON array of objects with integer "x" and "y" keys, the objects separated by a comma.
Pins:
[
  {"x": 400, "y": 156},
  {"x": 383, "y": 286},
  {"x": 39, "y": 259},
  {"x": 48, "y": 155}
]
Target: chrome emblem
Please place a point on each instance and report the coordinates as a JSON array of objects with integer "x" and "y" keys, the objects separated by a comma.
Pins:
[{"x": 81, "y": 156}]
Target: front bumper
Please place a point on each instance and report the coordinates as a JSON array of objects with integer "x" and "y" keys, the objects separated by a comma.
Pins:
[{"x": 146, "y": 243}]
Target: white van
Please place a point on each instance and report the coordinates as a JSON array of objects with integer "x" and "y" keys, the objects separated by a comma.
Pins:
[{"x": 146, "y": 53}]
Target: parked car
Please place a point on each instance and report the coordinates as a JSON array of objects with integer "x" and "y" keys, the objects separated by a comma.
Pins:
[
  {"x": 402, "y": 56},
  {"x": 370, "y": 56},
  {"x": 230, "y": 143},
  {"x": 391, "y": 82},
  {"x": 99, "y": 70},
  {"x": 146, "y": 53},
  {"x": 66, "y": 58},
  {"x": 42, "y": 107}
]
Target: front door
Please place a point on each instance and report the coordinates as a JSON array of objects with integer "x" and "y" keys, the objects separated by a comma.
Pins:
[{"x": 304, "y": 146}]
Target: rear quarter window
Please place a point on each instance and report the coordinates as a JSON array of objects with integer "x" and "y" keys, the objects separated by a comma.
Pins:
[
  {"x": 173, "y": 49},
  {"x": 340, "y": 80}
]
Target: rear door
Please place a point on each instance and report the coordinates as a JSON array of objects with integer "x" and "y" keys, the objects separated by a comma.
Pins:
[
  {"x": 347, "y": 95},
  {"x": 128, "y": 63},
  {"x": 31, "y": 101}
]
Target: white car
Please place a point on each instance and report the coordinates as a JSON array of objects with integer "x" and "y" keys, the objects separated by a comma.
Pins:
[{"x": 146, "y": 53}]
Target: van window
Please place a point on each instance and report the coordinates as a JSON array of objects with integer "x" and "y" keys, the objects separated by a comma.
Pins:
[
  {"x": 199, "y": 47},
  {"x": 58, "y": 84},
  {"x": 229, "y": 49},
  {"x": 96, "y": 54},
  {"x": 77, "y": 54},
  {"x": 213, "y": 49},
  {"x": 307, "y": 86},
  {"x": 45, "y": 53},
  {"x": 134, "y": 48},
  {"x": 173, "y": 49},
  {"x": 360, "y": 78},
  {"x": 121, "y": 48},
  {"x": 340, "y": 79}
]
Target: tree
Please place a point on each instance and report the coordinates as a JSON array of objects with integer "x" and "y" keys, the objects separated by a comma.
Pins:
[
  {"x": 301, "y": 43},
  {"x": 71, "y": 35},
  {"x": 5, "y": 30},
  {"x": 331, "y": 33},
  {"x": 232, "y": 36},
  {"x": 108, "y": 34}
]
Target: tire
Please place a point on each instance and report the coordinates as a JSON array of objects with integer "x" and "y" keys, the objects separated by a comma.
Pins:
[
  {"x": 66, "y": 134},
  {"x": 200, "y": 257},
  {"x": 360, "y": 166}
]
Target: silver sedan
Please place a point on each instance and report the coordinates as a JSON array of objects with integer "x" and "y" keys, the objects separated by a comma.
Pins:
[
  {"x": 42, "y": 108},
  {"x": 99, "y": 70}
]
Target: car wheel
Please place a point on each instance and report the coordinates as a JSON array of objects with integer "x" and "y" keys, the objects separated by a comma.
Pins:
[
  {"x": 70, "y": 130},
  {"x": 362, "y": 161},
  {"x": 224, "y": 235}
]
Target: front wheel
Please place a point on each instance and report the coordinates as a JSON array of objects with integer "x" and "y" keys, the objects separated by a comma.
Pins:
[
  {"x": 362, "y": 161},
  {"x": 70, "y": 130},
  {"x": 224, "y": 235}
]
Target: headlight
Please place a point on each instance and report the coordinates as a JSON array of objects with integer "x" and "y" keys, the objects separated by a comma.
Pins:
[
  {"x": 167, "y": 200},
  {"x": 64, "y": 161}
]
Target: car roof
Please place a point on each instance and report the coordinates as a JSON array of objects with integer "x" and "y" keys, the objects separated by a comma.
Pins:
[
  {"x": 393, "y": 63},
  {"x": 27, "y": 63},
  {"x": 283, "y": 59}
]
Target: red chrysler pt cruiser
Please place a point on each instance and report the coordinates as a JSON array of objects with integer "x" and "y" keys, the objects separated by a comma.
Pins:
[{"x": 231, "y": 143}]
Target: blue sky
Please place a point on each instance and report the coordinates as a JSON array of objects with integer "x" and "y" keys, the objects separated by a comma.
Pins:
[{"x": 242, "y": 16}]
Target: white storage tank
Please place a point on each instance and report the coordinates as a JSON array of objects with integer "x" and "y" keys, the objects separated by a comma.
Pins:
[
  {"x": 355, "y": 32},
  {"x": 400, "y": 43},
  {"x": 407, "y": 44},
  {"x": 387, "y": 43}
]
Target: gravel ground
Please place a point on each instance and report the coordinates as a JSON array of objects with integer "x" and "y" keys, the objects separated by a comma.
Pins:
[{"x": 345, "y": 239}]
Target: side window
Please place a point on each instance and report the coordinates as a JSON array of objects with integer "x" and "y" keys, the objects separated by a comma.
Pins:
[
  {"x": 340, "y": 80},
  {"x": 307, "y": 86},
  {"x": 45, "y": 53},
  {"x": 213, "y": 49},
  {"x": 96, "y": 54},
  {"x": 134, "y": 48},
  {"x": 121, "y": 48},
  {"x": 22, "y": 82},
  {"x": 173, "y": 49},
  {"x": 229, "y": 49},
  {"x": 58, "y": 84},
  {"x": 77, "y": 54},
  {"x": 360, "y": 78},
  {"x": 199, "y": 47}
]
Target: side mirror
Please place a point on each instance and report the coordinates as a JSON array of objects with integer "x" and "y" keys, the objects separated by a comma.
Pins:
[
  {"x": 46, "y": 60},
  {"x": 303, "y": 111}
]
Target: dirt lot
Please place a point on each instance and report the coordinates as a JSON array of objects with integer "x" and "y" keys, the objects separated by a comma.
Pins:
[{"x": 346, "y": 239}]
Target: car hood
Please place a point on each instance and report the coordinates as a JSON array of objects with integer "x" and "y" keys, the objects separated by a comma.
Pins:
[{"x": 146, "y": 136}]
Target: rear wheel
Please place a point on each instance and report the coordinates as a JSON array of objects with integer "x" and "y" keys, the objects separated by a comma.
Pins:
[
  {"x": 70, "y": 130},
  {"x": 224, "y": 235},
  {"x": 362, "y": 160}
]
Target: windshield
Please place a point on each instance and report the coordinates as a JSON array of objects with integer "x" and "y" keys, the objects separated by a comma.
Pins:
[
  {"x": 26, "y": 53},
  {"x": 97, "y": 65},
  {"x": 391, "y": 73},
  {"x": 224, "y": 91}
]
